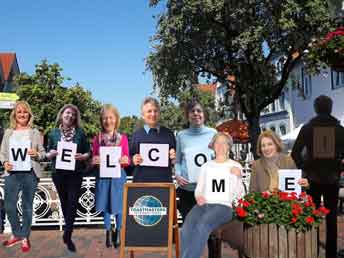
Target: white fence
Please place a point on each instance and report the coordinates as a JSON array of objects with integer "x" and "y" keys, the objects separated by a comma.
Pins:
[{"x": 47, "y": 210}]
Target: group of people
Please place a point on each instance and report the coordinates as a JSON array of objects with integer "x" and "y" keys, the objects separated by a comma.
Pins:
[{"x": 201, "y": 214}]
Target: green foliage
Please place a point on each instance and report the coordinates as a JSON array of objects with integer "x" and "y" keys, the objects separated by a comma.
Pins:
[
  {"x": 129, "y": 124},
  {"x": 254, "y": 41},
  {"x": 45, "y": 93}
]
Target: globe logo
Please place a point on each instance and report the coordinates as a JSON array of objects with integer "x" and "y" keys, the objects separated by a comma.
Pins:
[{"x": 147, "y": 211}]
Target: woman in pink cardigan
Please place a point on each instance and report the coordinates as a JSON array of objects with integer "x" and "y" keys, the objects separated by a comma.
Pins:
[{"x": 109, "y": 191}]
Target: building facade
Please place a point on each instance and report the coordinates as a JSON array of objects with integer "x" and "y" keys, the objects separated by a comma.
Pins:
[{"x": 8, "y": 69}]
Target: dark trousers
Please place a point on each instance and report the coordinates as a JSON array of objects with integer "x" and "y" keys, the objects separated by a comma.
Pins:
[
  {"x": 330, "y": 196},
  {"x": 186, "y": 202},
  {"x": 68, "y": 187},
  {"x": 26, "y": 182}
]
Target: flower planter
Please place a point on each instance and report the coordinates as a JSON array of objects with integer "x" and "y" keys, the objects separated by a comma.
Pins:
[{"x": 272, "y": 241}]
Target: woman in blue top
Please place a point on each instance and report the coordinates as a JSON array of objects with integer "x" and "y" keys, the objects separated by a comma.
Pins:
[
  {"x": 68, "y": 183},
  {"x": 192, "y": 152}
]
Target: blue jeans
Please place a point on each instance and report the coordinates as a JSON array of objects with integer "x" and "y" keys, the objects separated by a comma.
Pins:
[
  {"x": 107, "y": 220},
  {"x": 198, "y": 225},
  {"x": 14, "y": 183}
]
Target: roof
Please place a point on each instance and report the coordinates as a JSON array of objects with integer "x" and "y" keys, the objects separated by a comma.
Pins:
[
  {"x": 6, "y": 61},
  {"x": 211, "y": 88}
]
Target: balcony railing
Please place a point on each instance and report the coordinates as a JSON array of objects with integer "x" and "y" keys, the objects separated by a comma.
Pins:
[{"x": 47, "y": 210}]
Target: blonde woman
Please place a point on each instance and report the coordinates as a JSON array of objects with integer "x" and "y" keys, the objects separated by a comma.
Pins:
[
  {"x": 109, "y": 191},
  {"x": 264, "y": 175},
  {"x": 209, "y": 214},
  {"x": 21, "y": 122}
]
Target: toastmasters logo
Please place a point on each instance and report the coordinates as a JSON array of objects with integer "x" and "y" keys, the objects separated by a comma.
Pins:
[{"x": 148, "y": 211}]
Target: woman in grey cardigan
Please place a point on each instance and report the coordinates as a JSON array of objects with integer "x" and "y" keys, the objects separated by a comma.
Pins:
[{"x": 19, "y": 178}]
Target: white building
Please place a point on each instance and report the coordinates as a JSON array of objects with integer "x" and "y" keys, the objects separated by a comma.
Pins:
[
  {"x": 328, "y": 82},
  {"x": 295, "y": 105}
]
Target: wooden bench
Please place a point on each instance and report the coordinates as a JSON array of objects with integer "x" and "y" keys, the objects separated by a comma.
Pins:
[{"x": 231, "y": 233}]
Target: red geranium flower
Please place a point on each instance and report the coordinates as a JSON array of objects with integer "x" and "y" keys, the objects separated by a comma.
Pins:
[
  {"x": 296, "y": 209},
  {"x": 316, "y": 213},
  {"x": 309, "y": 220},
  {"x": 293, "y": 220},
  {"x": 265, "y": 194},
  {"x": 323, "y": 210},
  {"x": 283, "y": 196},
  {"x": 241, "y": 212},
  {"x": 293, "y": 196}
]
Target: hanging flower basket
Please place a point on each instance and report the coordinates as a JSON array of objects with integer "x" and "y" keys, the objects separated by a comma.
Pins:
[{"x": 330, "y": 50}]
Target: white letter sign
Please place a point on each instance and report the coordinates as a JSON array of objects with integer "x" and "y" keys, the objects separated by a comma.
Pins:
[
  {"x": 18, "y": 155},
  {"x": 288, "y": 180},
  {"x": 195, "y": 158},
  {"x": 66, "y": 155},
  {"x": 217, "y": 186},
  {"x": 109, "y": 161},
  {"x": 154, "y": 155}
]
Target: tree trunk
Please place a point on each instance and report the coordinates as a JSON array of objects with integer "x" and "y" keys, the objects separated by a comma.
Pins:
[{"x": 254, "y": 131}]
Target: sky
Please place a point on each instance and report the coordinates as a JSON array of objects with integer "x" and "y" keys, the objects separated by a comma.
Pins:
[{"x": 100, "y": 44}]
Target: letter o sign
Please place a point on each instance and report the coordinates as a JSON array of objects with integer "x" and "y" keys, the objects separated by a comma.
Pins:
[{"x": 200, "y": 159}]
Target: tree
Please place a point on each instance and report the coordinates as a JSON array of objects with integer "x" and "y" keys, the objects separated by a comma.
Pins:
[
  {"x": 256, "y": 42},
  {"x": 129, "y": 124},
  {"x": 45, "y": 93}
]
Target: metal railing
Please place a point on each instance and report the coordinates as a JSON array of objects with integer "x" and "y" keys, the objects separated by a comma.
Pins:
[{"x": 47, "y": 210}]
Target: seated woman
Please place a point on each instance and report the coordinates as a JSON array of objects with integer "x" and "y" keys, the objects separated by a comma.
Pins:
[
  {"x": 264, "y": 175},
  {"x": 210, "y": 213}
]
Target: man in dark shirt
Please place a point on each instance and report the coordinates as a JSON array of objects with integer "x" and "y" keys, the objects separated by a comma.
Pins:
[
  {"x": 152, "y": 133},
  {"x": 318, "y": 151}
]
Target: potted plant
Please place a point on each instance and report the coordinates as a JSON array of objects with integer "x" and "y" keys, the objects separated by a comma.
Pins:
[{"x": 280, "y": 223}]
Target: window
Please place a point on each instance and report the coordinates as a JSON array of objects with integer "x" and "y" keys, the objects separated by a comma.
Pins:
[
  {"x": 306, "y": 84},
  {"x": 283, "y": 129},
  {"x": 337, "y": 79},
  {"x": 273, "y": 106},
  {"x": 282, "y": 101}
]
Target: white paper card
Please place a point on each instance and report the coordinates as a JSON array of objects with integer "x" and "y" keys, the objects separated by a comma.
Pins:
[
  {"x": 195, "y": 158},
  {"x": 288, "y": 180},
  {"x": 109, "y": 161},
  {"x": 217, "y": 187},
  {"x": 154, "y": 155},
  {"x": 18, "y": 155},
  {"x": 66, "y": 155}
]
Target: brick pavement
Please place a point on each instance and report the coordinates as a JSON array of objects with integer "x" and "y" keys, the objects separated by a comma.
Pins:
[{"x": 47, "y": 243}]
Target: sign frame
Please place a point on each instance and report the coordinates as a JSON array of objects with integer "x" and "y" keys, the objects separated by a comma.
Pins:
[{"x": 173, "y": 233}]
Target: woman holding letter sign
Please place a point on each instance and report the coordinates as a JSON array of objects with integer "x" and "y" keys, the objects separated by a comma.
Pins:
[
  {"x": 109, "y": 190},
  {"x": 192, "y": 152},
  {"x": 217, "y": 187},
  {"x": 21, "y": 151},
  {"x": 152, "y": 136},
  {"x": 264, "y": 175},
  {"x": 68, "y": 181}
]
